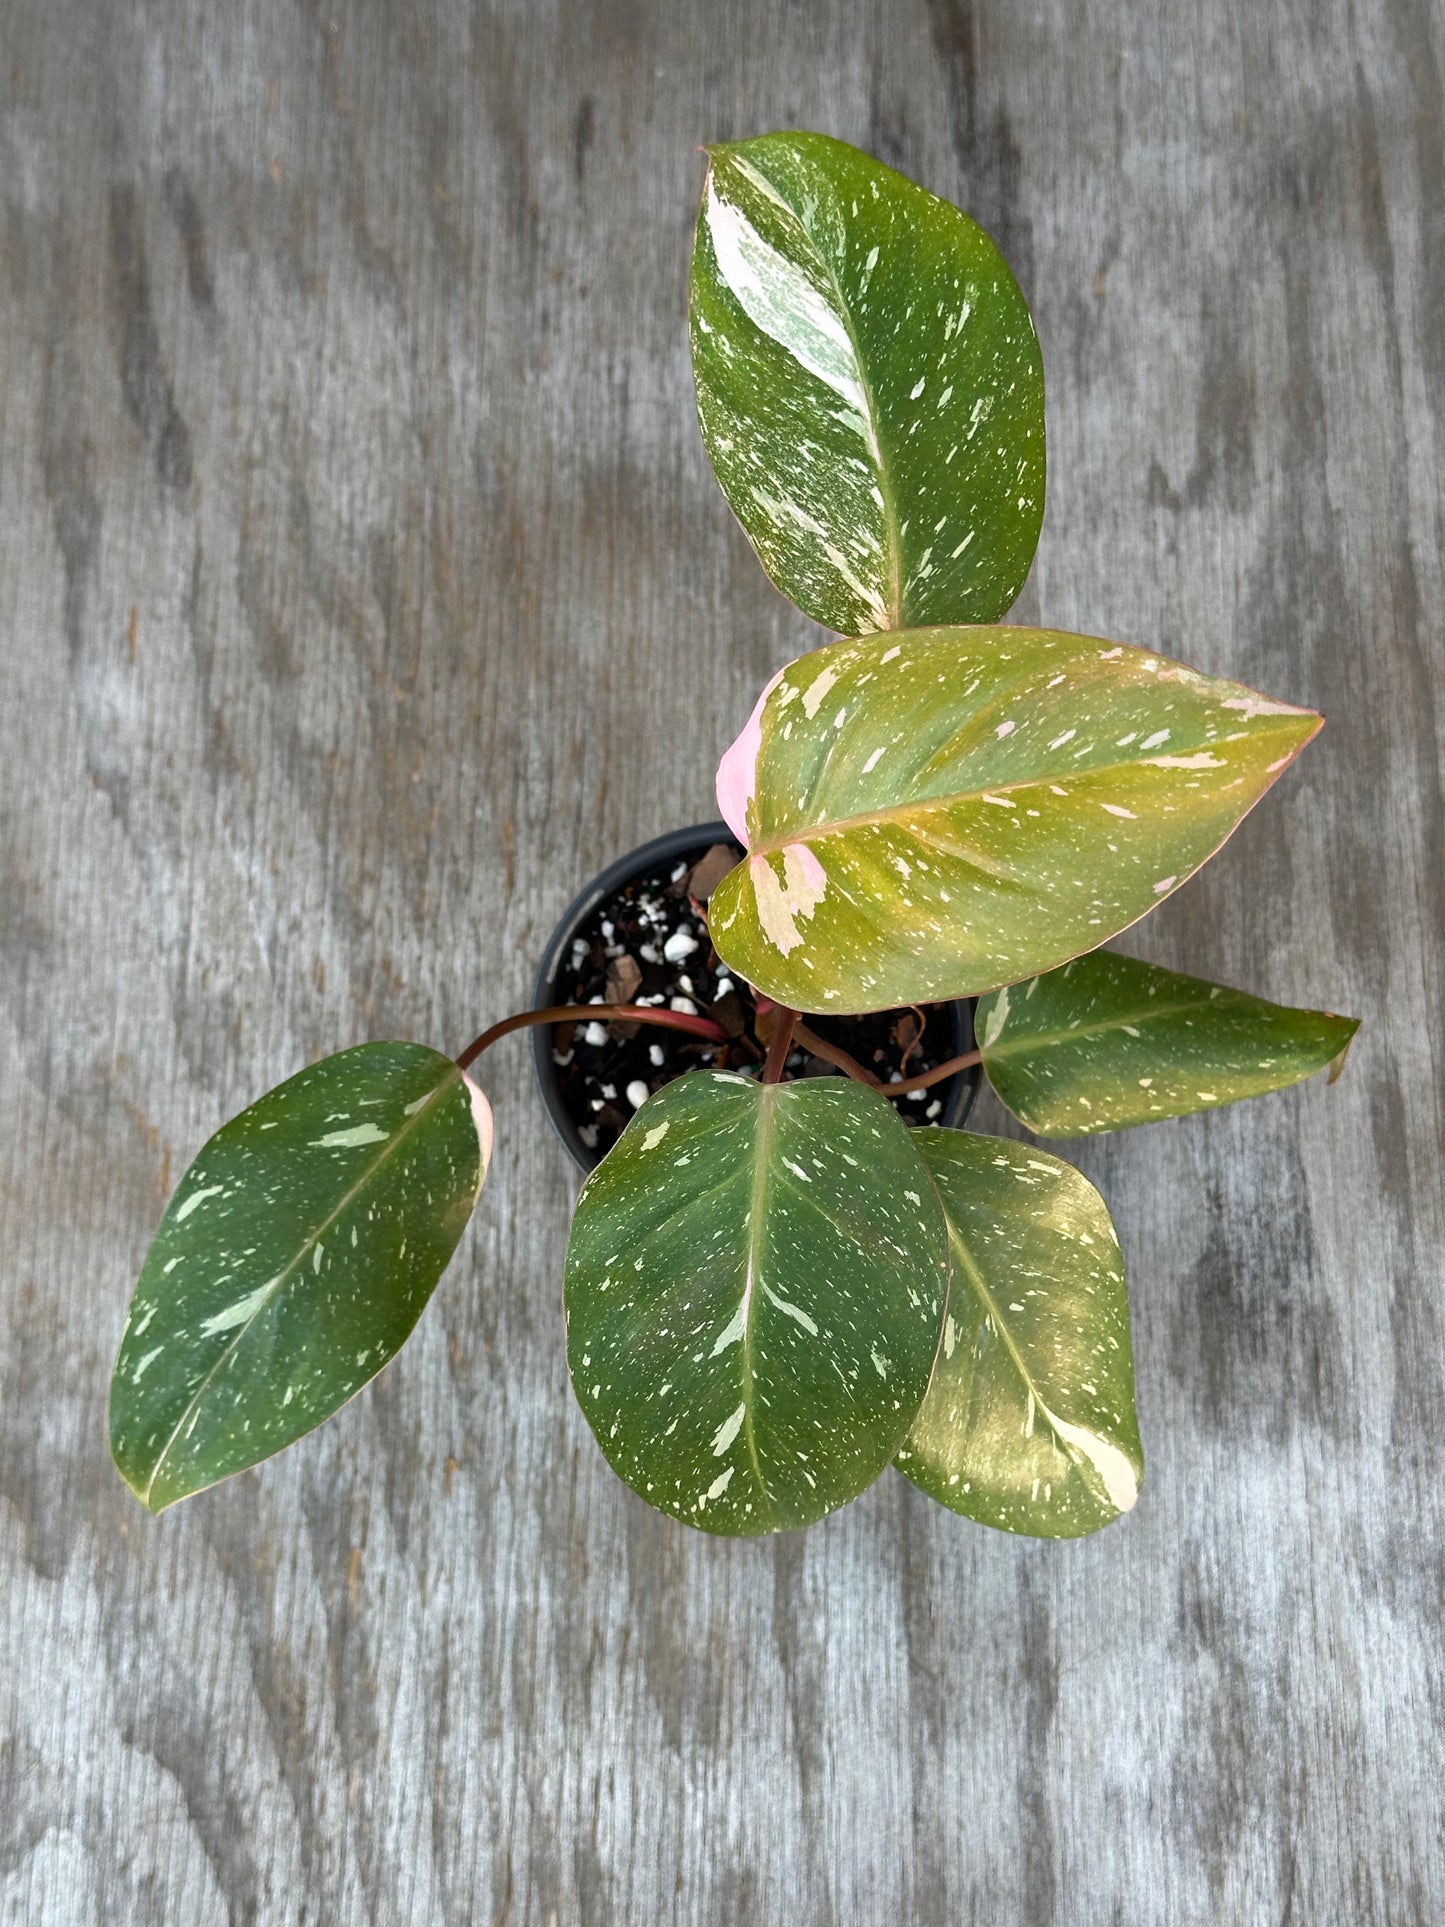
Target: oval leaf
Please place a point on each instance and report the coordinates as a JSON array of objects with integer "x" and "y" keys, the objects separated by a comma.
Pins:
[
  {"x": 1029, "y": 1421},
  {"x": 293, "y": 1261},
  {"x": 869, "y": 386},
  {"x": 1107, "y": 1042},
  {"x": 755, "y": 1287},
  {"x": 942, "y": 811}
]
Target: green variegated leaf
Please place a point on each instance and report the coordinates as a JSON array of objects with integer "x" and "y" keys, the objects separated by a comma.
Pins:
[
  {"x": 293, "y": 1261},
  {"x": 1029, "y": 1420},
  {"x": 934, "y": 813},
  {"x": 1107, "y": 1042},
  {"x": 869, "y": 386},
  {"x": 755, "y": 1286}
]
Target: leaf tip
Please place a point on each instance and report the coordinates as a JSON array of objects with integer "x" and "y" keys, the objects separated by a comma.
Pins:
[
  {"x": 1337, "y": 1062},
  {"x": 1304, "y": 726},
  {"x": 140, "y": 1493}
]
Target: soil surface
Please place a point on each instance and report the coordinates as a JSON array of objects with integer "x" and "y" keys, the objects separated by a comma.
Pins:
[{"x": 649, "y": 944}]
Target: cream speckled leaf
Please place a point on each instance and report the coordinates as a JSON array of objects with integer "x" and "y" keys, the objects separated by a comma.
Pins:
[
  {"x": 298, "y": 1252},
  {"x": 755, "y": 1287},
  {"x": 1107, "y": 1042},
  {"x": 941, "y": 811},
  {"x": 1029, "y": 1421},
  {"x": 869, "y": 386}
]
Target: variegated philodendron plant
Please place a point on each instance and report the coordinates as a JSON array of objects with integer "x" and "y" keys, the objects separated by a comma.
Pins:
[{"x": 774, "y": 1289}]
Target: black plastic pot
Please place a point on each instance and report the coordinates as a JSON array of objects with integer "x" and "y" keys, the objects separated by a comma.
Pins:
[{"x": 957, "y": 1094}]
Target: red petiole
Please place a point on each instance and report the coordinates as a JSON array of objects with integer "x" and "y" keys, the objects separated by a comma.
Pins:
[
  {"x": 597, "y": 1013},
  {"x": 788, "y": 1030}
]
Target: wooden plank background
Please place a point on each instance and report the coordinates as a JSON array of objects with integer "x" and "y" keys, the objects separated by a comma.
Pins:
[{"x": 363, "y": 587}]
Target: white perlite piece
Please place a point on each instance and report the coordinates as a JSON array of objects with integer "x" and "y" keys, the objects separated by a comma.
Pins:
[{"x": 637, "y": 1093}]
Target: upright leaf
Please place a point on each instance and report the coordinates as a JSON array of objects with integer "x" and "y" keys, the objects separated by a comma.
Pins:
[
  {"x": 1107, "y": 1042},
  {"x": 755, "y": 1288},
  {"x": 293, "y": 1261},
  {"x": 869, "y": 386},
  {"x": 941, "y": 811},
  {"x": 1029, "y": 1420}
]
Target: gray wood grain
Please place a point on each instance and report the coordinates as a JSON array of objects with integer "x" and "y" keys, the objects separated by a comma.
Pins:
[{"x": 362, "y": 588}]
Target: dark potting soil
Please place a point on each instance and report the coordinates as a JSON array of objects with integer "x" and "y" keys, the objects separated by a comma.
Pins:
[{"x": 649, "y": 944}]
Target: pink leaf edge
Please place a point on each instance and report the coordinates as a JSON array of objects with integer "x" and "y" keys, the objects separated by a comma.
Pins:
[{"x": 737, "y": 773}]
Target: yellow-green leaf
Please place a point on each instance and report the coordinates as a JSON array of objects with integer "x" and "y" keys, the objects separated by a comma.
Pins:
[
  {"x": 869, "y": 386},
  {"x": 1107, "y": 1042},
  {"x": 1029, "y": 1421},
  {"x": 938, "y": 812}
]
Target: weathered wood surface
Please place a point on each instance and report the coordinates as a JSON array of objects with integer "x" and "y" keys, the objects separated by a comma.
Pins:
[{"x": 362, "y": 588}]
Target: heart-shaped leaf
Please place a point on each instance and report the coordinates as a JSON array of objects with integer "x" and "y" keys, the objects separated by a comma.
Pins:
[
  {"x": 869, "y": 386},
  {"x": 941, "y": 811},
  {"x": 1029, "y": 1420},
  {"x": 293, "y": 1261},
  {"x": 755, "y": 1286},
  {"x": 1107, "y": 1042}
]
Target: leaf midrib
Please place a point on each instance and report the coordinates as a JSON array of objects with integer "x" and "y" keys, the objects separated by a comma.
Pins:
[
  {"x": 282, "y": 1277},
  {"x": 1039, "y": 1040},
  {"x": 899, "y": 812},
  {"x": 762, "y": 1146},
  {"x": 885, "y": 481},
  {"x": 985, "y": 1296},
  {"x": 891, "y": 529}
]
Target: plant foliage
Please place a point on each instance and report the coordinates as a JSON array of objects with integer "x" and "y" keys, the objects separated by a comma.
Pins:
[
  {"x": 756, "y": 1281},
  {"x": 943, "y": 811},
  {"x": 297, "y": 1253},
  {"x": 1029, "y": 1421},
  {"x": 1107, "y": 1042},
  {"x": 869, "y": 386},
  {"x": 774, "y": 1289}
]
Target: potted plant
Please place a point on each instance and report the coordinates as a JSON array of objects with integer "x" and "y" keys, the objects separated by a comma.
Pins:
[
  {"x": 639, "y": 933},
  {"x": 774, "y": 1289}
]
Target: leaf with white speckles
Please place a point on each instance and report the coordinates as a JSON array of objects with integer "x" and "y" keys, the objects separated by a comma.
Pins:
[
  {"x": 937, "y": 812},
  {"x": 1029, "y": 1421},
  {"x": 293, "y": 1261},
  {"x": 755, "y": 1288},
  {"x": 1107, "y": 1042},
  {"x": 869, "y": 386}
]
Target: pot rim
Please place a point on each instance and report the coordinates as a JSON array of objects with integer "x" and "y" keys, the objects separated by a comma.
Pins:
[{"x": 961, "y": 1089}]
